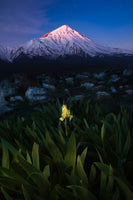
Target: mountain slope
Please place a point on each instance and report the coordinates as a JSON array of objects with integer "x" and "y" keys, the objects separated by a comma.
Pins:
[
  {"x": 64, "y": 42},
  {"x": 61, "y": 43},
  {"x": 5, "y": 53}
]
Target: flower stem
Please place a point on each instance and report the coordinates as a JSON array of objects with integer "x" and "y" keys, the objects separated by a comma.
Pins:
[{"x": 66, "y": 129}]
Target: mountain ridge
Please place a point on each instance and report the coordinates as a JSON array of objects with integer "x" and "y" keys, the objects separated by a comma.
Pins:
[{"x": 60, "y": 43}]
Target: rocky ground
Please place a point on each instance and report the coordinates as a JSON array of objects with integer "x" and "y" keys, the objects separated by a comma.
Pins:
[{"x": 113, "y": 85}]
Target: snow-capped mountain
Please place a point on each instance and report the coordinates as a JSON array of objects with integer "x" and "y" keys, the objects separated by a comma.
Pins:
[
  {"x": 5, "y": 53},
  {"x": 61, "y": 43}
]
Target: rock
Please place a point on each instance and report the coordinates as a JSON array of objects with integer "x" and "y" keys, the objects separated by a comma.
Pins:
[
  {"x": 101, "y": 94},
  {"x": 16, "y": 98},
  {"x": 99, "y": 87},
  {"x": 7, "y": 88},
  {"x": 88, "y": 85},
  {"x": 101, "y": 82},
  {"x": 113, "y": 89},
  {"x": 69, "y": 80},
  {"x": 127, "y": 72},
  {"x": 48, "y": 86},
  {"x": 41, "y": 77},
  {"x": 4, "y": 109},
  {"x": 126, "y": 86},
  {"x": 76, "y": 98},
  {"x": 2, "y": 98},
  {"x": 100, "y": 75},
  {"x": 66, "y": 90},
  {"x": 35, "y": 94},
  {"x": 81, "y": 76},
  {"x": 114, "y": 78},
  {"x": 129, "y": 91},
  {"x": 18, "y": 78}
]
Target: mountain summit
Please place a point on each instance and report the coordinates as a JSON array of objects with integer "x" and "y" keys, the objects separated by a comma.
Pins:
[
  {"x": 61, "y": 30},
  {"x": 63, "y": 42}
]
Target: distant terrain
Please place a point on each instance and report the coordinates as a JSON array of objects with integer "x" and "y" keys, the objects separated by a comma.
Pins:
[
  {"x": 111, "y": 88},
  {"x": 63, "y": 49}
]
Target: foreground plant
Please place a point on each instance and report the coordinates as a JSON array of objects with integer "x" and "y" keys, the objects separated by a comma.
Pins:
[{"x": 93, "y": 160}]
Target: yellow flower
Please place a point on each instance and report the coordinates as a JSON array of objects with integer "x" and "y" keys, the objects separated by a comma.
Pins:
[{"x": 65, "y": 113}]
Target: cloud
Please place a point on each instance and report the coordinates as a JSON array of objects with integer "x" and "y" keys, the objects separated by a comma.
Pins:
[{"x": 24, "y": 17}]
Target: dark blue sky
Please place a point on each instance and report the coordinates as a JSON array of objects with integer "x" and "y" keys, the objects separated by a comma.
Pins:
[{"x": 108, "y": 22}]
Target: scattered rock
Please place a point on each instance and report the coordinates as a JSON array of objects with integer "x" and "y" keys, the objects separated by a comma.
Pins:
[
  {"x": 113, "y": 89},
  {"x": 4, "y": 109},
  {"x": 127, "y": 72},
  {"x": 81, "y": 76},
  {"x": 77, "y": 97},
  {"x": 100, "y": 75},
  {"x": 115, "y": 78},
  {"x": 102, "y": 94},
  {"x": 66, "y": 90},
  {"x": 48, "y": 86},
  {"x": 88, "y": 85},
  {"x": 16, "y": 98},
  {"x": 69, "y": 80},
  {"x": 35, "y": 94},
  {"x": 99, "y": 87},
  {"x": 2, "y": 98},
  {"x": 130, "y": 91}
]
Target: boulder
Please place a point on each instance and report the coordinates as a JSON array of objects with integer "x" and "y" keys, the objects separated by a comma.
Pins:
[
  {"x": 129, "y": 91},
  {"x": 16, "y": 98},
  {"x": 102, "y": 94},
  {"x": 48, "y": 86},
  {"x": 77, "y": 97},
  {"x": 88, "y": 85},
  {"x": 35, "y": 94}
]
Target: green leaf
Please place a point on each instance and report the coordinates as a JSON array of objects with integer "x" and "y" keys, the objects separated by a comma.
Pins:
[
  {"x": 28, "y": 158},
  {"x": 103, "y": 132},
  {"x": 7, "y": 197},
  {"x": 103, "y": 182},
  {"x": 81, "y": 173},
  {"x": 99, "y": 155},
  {"x": 105, "y": 168},
  {"x": 25, "y": 192},
  {"x": 10, "y": 147},
  {"x": 127, "y": 192},
  {"x": 35, "y": 155},
  {"x": 5, "y": 156},
  {"x": 92, "y": 175},
  {"x": 82, "y": 193},
  {"x": 65, "y": 193},
  {"x": 116, "y": 195},
  {"x": 83, "y": 156},
  {"x": 105, "y": 172},
  {"x": 33, "y": 173},
  {"x": 53, "y": 149},
  {"x": 86, "y": 124},
  {"x": 13, "y": 175},
  {"x": 127, "y": 145},
  {"x": 10, "y": 184},
  {"x": 110, "y": 180},
  {"x": 46, "y": 171},
  {"x": 70, "y": 156}
]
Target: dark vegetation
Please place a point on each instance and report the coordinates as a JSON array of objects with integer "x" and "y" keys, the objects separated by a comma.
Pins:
[
  {"x": 68, "y": 64},
  {"x": 89, "y": 157}
]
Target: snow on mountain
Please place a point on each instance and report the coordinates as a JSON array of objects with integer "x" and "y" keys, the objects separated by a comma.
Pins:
[
  {"x": 63, "y": 42},
  {"x": 5, "y": 53}
]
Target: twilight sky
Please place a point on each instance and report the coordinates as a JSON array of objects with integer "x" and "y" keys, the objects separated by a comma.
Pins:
[{"x": 108, "y": 22}]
